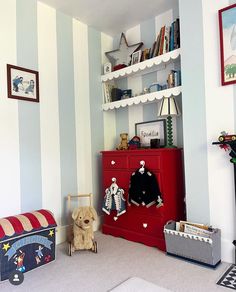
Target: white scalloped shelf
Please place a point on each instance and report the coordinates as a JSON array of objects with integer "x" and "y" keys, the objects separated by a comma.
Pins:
[
  {"x": 142, "y": 66},
  {"x": 145, "y": 98}
]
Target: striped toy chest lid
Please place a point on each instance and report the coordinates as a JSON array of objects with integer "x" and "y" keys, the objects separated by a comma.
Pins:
[{"x": 25, "y": 223}]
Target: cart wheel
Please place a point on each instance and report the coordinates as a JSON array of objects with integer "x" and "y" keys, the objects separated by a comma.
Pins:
[
  {"x": 95, "y": 247},
  {"x": 69, "y": 249}
]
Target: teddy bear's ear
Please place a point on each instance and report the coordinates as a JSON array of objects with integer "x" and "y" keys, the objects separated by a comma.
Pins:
[
  {"x": 94, "y": 213},
  {"x": 75, "y": 213}
]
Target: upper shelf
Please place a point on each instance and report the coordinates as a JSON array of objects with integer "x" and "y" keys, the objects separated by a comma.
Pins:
[
  {"x": 145, "y": 98},
  {"x": 142, "y": 66}
]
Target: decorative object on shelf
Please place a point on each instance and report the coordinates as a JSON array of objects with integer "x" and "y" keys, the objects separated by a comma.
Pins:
[
  {"x": 228, "y": 142},
  {"x": 107, "y": 68},
  {"x": 121, "y": 56},
  {"x": 154, "y": 87},
  {"x": 168, "y": 109},
  {"x": 114, "y": 199},
  {"x": 124, "y": 142},
  {"x": 126, "y": 93},
  {"x": 155, "y": 143},
  {"x": 227, "y": 28},
  {"x": 151, "y": 130},
  {"x": 136, "y": 57},
  {"x": 134, "y": 143},
  {"x": 22, "y": 83},
  {"x": 116, "y": 94}
]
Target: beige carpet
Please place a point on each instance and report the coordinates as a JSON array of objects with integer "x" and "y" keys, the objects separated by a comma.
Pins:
[{"x": 116, "y": 261}]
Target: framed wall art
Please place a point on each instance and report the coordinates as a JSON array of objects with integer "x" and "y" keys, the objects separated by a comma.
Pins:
[
  {"x": 227, "y": 29},
  {"x": 136, "y": 57},
  {"x": 148, "y": 131},
  {"x": 22, "y": 83}
]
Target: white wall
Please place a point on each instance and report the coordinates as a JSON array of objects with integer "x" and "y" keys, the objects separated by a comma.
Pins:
[{"x": 220, "y": 116}]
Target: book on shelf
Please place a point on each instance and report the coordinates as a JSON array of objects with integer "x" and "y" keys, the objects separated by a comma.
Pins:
[
  {"x": 166, "y": 40},
  {"x": 107, "y": 88},
  {"x": 162, "y": 38},
  {"x": 174, "y": 78}
]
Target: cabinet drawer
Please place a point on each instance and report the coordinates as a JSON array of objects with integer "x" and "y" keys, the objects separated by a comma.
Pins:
[
  {"x": 149, "y": 225},
  {"x": 116, "y": 162},
  {"x": 151, "y": 162}
]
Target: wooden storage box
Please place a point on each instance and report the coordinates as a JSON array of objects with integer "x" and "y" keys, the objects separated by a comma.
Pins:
[
  {"x": 198, "y": 249},
  {"x": 27, "y": 241}
]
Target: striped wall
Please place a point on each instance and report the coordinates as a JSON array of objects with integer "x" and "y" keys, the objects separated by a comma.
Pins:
[
  {"x": 51, "y": 148},
  {"x": 125, "y": 118}
]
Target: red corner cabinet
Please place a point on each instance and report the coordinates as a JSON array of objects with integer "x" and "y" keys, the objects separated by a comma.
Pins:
[{"x": 139, "y": 223}]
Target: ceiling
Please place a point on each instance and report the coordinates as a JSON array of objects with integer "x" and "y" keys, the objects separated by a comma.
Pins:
[{"x": 111, "y": 16}]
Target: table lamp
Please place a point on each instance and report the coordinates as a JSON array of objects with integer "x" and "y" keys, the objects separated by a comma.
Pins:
[{"x": 168, "y": 109}]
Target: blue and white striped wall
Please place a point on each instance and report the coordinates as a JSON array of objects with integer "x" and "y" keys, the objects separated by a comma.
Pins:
[
  {"x": 124, "y": 119},
  {"x": 51, "y": 148}
]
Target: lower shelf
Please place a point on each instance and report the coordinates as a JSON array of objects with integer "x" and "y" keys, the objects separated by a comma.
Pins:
[{"x": 136, "y": 237}]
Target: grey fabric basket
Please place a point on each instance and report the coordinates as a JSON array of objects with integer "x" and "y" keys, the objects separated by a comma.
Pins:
[{"x": 198, "y": 249}]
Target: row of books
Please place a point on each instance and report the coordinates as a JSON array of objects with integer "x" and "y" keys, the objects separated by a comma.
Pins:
[
  {"x": 197, "y": 229},
  {"x": 174, "y": 78},
  {"x": 167, "y": 40}
]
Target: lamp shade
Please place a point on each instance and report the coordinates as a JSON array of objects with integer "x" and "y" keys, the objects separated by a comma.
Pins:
[{"x": 169, "y": 107}]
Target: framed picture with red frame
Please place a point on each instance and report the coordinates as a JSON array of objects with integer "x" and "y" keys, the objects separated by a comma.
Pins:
[{"x": 227, "y": 29}]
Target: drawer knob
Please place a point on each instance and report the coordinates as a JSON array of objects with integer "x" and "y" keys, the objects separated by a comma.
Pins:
[
  {"x": 113, "y": 162},
  {"x": 145, "y": 225}
]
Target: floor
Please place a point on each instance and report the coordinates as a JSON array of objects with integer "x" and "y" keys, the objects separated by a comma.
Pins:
[{"x": 117, "y": 260}]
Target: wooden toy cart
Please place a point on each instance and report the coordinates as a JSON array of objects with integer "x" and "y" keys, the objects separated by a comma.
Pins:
[{"x": 70, "y": 198}]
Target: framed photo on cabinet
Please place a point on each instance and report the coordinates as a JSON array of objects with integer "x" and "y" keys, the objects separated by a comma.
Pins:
[
  {"x": 148, "y": 131},
  {"x": 22, "y": 83},
  {"x": 227, "y": 29}
]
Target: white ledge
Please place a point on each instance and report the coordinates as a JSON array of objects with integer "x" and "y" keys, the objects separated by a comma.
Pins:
[
  {"x": 145, "y": 98},
  {"x": 127, "y": 71}
]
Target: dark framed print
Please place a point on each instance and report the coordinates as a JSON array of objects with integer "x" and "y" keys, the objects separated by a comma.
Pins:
[
  {"x": 148, "y": 131},
  {"x": 136, "y": 57},
  {"x": 22, "y": 83},
  {"x": 227, "y": 29}
]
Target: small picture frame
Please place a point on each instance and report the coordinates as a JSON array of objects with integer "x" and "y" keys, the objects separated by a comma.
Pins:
[
  {"x": 148, "y": 131},
  {"x": 136, "y": 57},
  {"x": 22, "y": 83},
  {"x": 227, "y": 29},
  {"x": 107, "y": 68}
]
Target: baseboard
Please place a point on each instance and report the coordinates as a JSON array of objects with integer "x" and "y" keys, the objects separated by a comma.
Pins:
[{"x": 62, "y": 230}]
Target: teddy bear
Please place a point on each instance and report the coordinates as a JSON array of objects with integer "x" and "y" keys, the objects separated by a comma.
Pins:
[
  {"x": 83, "y": 236},
  {"x": 124, "y": 142}
]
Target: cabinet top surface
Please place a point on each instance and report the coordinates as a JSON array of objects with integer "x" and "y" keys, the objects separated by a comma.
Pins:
[{"x": 141, "y": 151}]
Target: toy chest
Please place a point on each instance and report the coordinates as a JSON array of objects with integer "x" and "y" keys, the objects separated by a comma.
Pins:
[
  {"x": 200, "y": 249},
  {"x": 27, "y": 241}
]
